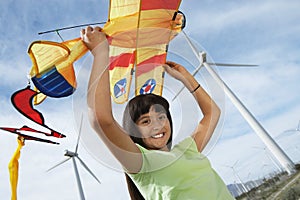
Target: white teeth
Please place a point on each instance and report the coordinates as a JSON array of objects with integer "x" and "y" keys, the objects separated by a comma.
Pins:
[{"x": 158, "y": 135}]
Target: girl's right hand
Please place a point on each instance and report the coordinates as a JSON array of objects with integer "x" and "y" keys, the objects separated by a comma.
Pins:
[{"x": 92, "y": 37}]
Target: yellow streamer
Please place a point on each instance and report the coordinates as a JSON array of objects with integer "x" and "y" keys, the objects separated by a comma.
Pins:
[{"x": 13, "y": 168}]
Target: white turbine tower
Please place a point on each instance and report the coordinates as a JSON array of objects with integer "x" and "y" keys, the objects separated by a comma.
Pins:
[
  {"x": 73, "y": 155},
  {"x": 278, "y": 153}
]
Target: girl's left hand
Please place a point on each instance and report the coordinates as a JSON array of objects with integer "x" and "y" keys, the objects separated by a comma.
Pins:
[{"x": 175, "y": 70}]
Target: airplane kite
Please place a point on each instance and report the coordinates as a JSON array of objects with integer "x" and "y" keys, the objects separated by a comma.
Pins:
[
  {"x": 52, "y": 71},
  {"x": 138, "y": 31}
]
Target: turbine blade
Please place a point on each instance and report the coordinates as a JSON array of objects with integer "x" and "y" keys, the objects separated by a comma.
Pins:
[
  {"x": 87, "y": 168},
  {"x": 79, "y": 134},
  {"x": 232, "y": 64},
  {"x": 176, "y": 95},
  {"x": 194, "y": 73},
  {"x": 291, "y": 131},
  {"x": 60, "y": 163},
  {"x": 235, "y": 163}
]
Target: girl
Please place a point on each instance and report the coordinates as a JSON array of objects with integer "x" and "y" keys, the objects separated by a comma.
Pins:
[{"x": 143, "y": 145}]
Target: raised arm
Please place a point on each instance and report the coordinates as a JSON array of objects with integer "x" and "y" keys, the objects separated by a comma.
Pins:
[
  {"x": 100, "y": 107},
  {"x": 210, "y": 110}
]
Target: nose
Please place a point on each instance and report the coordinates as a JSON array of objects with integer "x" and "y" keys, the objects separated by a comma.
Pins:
[{"x": 157, "y": 124}]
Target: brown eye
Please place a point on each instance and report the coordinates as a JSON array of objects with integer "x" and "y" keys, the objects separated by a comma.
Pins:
[
  {"x": 163, "y": 117},
  {"x": 144, "y": 122},
  {"x": 147, "y": 121}
]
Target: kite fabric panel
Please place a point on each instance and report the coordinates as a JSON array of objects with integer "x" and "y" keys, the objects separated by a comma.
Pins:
[
  {"x": 22, "y": 101},
  {"x": 139, "y": 32},
  {"x": 28, "y": 137},
  {"x": 120, "y": 72},
  {"x": 52, "y": 72}
]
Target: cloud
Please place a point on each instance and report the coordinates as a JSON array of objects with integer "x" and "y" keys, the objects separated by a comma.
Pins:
[{"x": 264, "y": 33}]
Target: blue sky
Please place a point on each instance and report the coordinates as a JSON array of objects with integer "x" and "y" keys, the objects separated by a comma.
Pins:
[{"x": 266, "y": 33}]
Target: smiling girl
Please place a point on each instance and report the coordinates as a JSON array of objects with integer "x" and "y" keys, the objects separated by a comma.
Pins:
[{"x": 155, "y": 170}]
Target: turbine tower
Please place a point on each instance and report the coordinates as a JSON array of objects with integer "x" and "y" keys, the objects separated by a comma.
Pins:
[
  {"x": 274, "y": 148},
  {"x": 73, "y": 155}
]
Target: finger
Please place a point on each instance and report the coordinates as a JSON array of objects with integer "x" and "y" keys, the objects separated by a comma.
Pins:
[
  {"x": 167, "y": 67},
  {"x": 82, "y": 32},
  {"x": 89, "y": 29},
  {"x": 171, "y": 64},
  {"x": 97, "y": 28},
  {"x": 178, "y": 19}
]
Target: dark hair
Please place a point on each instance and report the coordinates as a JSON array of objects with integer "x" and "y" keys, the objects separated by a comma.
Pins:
[{"x": 136, "y": 107}]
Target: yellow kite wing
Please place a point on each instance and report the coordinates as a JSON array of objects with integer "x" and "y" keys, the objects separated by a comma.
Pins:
[{"x": 139, "y": 32}]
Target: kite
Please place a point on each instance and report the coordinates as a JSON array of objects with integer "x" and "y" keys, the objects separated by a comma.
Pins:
[
  {"x": 19, "y": 131},
  {"x": 138, "y": 32},
  {"x": 13, "y": 168},
  {"x": 22, "y": 101},
  {"x": 52, "y": 72}
]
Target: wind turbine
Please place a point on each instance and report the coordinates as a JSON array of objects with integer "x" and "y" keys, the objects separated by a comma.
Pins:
[
  {"x": 245, "y": 189},
  {"x": 73, "y": 155},
  {"x": 274, "y": 148},
  {"x": 294, "y": 130},
  {"x": 266, "y": 152}
]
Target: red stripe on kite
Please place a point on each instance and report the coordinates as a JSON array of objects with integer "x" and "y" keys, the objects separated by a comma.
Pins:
[
  {"x": 150, "y": 64},
  {"x": 160, "y": 4},
  {"x": 122, "y": 60}
]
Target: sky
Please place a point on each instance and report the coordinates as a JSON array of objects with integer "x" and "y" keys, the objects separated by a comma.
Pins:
[{"x": 265, "y": 33}]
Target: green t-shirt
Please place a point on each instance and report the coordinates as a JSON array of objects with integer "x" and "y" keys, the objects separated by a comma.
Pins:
[{"x": 183, "y": 174}]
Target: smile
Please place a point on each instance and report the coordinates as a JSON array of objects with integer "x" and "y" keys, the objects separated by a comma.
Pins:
[{"x": 160, "y": 135}]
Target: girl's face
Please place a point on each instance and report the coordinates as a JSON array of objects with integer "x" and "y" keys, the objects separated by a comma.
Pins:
[{"x": 155, "y": 129}]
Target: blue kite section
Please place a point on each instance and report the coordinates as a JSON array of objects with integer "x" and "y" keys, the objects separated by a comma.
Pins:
[{"x": 53, "y": 84}]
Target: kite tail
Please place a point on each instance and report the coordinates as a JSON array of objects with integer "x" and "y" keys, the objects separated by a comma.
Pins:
[{"x": 13, "y": 168}]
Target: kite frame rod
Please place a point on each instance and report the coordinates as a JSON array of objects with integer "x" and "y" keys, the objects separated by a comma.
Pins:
[{"x": 70, "y": 27}]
